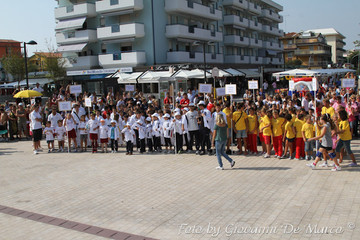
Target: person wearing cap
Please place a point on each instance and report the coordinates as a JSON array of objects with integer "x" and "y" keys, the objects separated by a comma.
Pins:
[
  {"x": 184, "y": 128},
  {"x": 166, "y": 129},
  {"x": 193, "y": 127},
  {"x": 129, "y": 137},
  {"x": 114, "y": 135},
  {"x": 176, "y": 125},
  {"x": 103, "y": 133},
  {"x": 204, "y": 120},
  {"x": 139, "y": 126},
  {"x": 148, "y": 134},
  {"x": 156, "y": 131},
  {"x": 21, "y": 117}
]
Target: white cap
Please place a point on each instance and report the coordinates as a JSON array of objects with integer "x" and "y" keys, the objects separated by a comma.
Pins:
[
  {"x": 177, "y": 110},
  {"x": 102, "y": 120},
  {"x": 186, "y": 109},
  {"x": 113, "y": 121},
  {"x": 149, "y": 102},
  {"x": 191, "y": 105},
  {"x": 177, "y": 114},
  {"x": 138, "y": 102},
  {"x": 166, "y": 115},
  {"x": 139, "y": 122},
  {"x": 155, "y": 115},
  {"x": 21, "y": 104},
  {"x": 148, "y": 119},
  {"x": 201, "y": 103}
]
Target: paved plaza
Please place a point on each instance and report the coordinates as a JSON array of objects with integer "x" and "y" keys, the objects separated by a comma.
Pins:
[{"x": 174, "y": 196}]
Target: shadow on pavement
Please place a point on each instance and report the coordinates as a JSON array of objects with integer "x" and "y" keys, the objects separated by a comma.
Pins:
[{"x": 261, "y": 168}]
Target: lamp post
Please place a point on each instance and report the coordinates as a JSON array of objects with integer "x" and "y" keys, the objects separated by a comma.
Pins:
[
  {"x": 32, "y": 42},
  {"x": 204, "y": 43}
]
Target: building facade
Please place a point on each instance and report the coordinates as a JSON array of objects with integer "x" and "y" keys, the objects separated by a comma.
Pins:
[
  {"x": 38, "y": 60},
  {"x": 308, "y": 47},
  {"x": 8, "y": 47},
  {"x": 336, "y": 40},
  {"x": 117, "y": 34}
]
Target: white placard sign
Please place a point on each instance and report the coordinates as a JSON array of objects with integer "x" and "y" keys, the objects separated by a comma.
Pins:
[
  {"x": 347, "y": 82},
  {"x": 253, "y": 85},
  {"x": 64, "y": 106},
  {"x": 220, "y": 92},
  {"x": 291, "y": 85},
  {"x": 129, "y": 88},
  {"x": 205, "y": 88},
  {"x": 75, "y": 89},
  {"x": 314, "y": 84},
  {"x": 230, "y": 89},
  {"x": 88, "y": 102}
]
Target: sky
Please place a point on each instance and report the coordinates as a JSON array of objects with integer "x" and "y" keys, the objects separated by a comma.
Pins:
[{"x": 25, "y": 20}]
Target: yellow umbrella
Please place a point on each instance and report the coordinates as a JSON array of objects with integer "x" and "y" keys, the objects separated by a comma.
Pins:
[{"x": 27, "y": 94}]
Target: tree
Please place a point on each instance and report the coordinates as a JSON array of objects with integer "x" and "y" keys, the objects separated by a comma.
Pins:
[
  {"x": 14, "y": 64},
  {"x": 55, "y": 65},
  {"x": 294, "y": 63}
]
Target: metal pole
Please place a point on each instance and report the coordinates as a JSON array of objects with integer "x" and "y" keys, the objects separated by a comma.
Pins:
[
  {"x": 26, "y": 68},
  {"x": 204, "y": 62}
]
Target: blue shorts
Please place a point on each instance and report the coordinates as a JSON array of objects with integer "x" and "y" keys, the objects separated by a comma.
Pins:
[
  {"x": 241, "y": 134},
  {"x": 290, "y": 139},
  {"x": 309, "y": 146},
  {"x": 344, "y": 144}
]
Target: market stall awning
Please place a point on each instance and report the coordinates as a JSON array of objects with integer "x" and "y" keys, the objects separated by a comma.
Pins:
[
  {"x": 249, "y": 73},
  {"x": 32, "y": 82},
  {"x": 296, "y": 72},
  {"x": 223, "y": 73},
  {"x": 234, "y": 72},
  {"x": 155, "y": 76},
  {"x": 72, "y": 48},
  {"x": 70, "y": 24},
  {"x": 188, "y": 74}
]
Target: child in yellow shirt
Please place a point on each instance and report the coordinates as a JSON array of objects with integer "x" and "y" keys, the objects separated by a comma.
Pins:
[{"x": 308, "y": 131}]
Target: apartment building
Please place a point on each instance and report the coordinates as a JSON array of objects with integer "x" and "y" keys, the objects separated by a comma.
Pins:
[
  {"x": 308, "y": 47},
  {"x": 113, "y": 34},
  {"x": 336, "y": 40}
]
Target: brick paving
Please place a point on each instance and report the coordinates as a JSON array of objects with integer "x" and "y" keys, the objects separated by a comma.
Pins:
[{"x": 174, "y": 197}]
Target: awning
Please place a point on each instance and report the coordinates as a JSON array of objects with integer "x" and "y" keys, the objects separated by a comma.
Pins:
[
  {"x": 222, "y": 73},
  {"x": 249, "y": 73},
  {"x": 125, "y": 78},
  {"x": 234, "y": 72},
  {"x": 70, "y": 24},
  {"x": 188, "y": 74},
  {"x": 72, "y": 48},
  {"x": 155, "y": 76},
  {"x": 32, "y": 82},
  {"x": 271, "y": 52}
]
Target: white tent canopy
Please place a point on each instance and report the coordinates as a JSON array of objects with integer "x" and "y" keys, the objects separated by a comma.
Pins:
[
  {"x": 249, "y": 73},
  {"x": 223, "y": 73},
  {"x": 313, "y": 72},
  {"x": 32, "y": 82},
  {"x": 155, "y": 76},
  {"x": 187, "y": 74},
  {"x": 234, "y": 72}
]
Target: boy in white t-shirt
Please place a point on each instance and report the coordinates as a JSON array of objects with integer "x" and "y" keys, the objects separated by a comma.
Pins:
[
  {"x": 93, "y": 127},
  {"x": 83, "y": 133},
  {"x": 60, "y": 134},
  {"x": 49, "y": 133},
  {"x": 129, "y": 137},
  {"x": 103, "y": 132}
]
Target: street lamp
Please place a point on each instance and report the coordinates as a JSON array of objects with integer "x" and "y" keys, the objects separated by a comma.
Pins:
[
  {"x": 32, "y": 42},
  {"x": 204, "y": 43}
]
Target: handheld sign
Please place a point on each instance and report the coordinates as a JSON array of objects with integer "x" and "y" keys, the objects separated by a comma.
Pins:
[
  {"x": 64, "y": 106},
  {"x": 220, "y": 92},
  {"x": 314, "y": 84},
  {"x": 253, "y": 85},
  {"x": 291, "y": 85},
  {"x": 205, "y": 88},
  {"x": 88, "y": 102},
  {"x": 75, "y": 89},
  {"x": 129, "y": 88},
  {"x": 230, "y": 89},
  {"x": 347, "y": 82}
]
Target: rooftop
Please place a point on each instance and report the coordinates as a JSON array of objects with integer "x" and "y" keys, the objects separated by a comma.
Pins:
[
  {"x": 326, "y": 32},
  {"x": 8, "y": 41}
]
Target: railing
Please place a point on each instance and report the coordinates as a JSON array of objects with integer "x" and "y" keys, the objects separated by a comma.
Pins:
[
  {"x": 313, "y": 40},
  {"x": 310, "y": 52}
]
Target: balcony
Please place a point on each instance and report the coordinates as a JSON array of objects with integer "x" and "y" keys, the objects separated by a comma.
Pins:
[
  {"x": 255, "y": 8},
  {"x": 190, "y": 32},
  {"x": 306, "y": 41},
  {"x": 236, "y": 40},
  {"x": 255, "y": 25},
  {"x": 196, "y": 57},
  {"x": 272, "y": 15},
  {"x": 312, "y": 52},
  {"x": 82, "y": 36},
  {"x": 192, "y": 8},
  {"x": 274, "y": 46},
  {"x": 118, "y": 7},
  {"x": 256, "y": 43},
  {"x": 256, "y": 60},
  {"x": 273, "y": 61},
  {"x": 79, "y": 63},
  {"x": 290, "y": 47},
  {"x": 123, "y": 59},
  {"x": 131, "y": 30},
  {"x": 74, "y": 11},
  {"x": 237, "y": 59},
  {"x": 242, "y": 4},
  {"x": 273, "y": 31},
  {"x": 236, "y": 21}
]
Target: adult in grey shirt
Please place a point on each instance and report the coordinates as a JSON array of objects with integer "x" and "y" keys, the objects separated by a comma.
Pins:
[{"x": 193, "y": 127}]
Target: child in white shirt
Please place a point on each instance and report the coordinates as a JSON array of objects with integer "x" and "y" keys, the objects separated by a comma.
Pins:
[
  {"x": 93, "y": 127},
  {"x": 70, "y": 126},
  {"x": 129, "y": 136},
  {"x": 148, "y": 134},
  {"x": 156, "y": 130},
  {"x": 138, "y": 125},
  {"x": 167, "y": 132},
  {"x": 176, "y": 125},
  {"x": 60, "y": 134},
  {"x": 103, "y": 132},
  {"x": 83, "y": 133},
  {"x": 49, "y": 133}
]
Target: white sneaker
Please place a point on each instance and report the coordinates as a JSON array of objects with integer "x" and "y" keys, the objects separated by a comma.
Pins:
[
  {"x": 336, "y": 168},
  {"x": 324, "y": 165},
  {"x": 35, "y": 152},
  {"x": 219, "y": 168},
  {"x": 311, "y": 165},
  {"x": 298, "y": 159},
  {"x": 290, "y": 158},
  {"x": 266, "y": 155}
]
